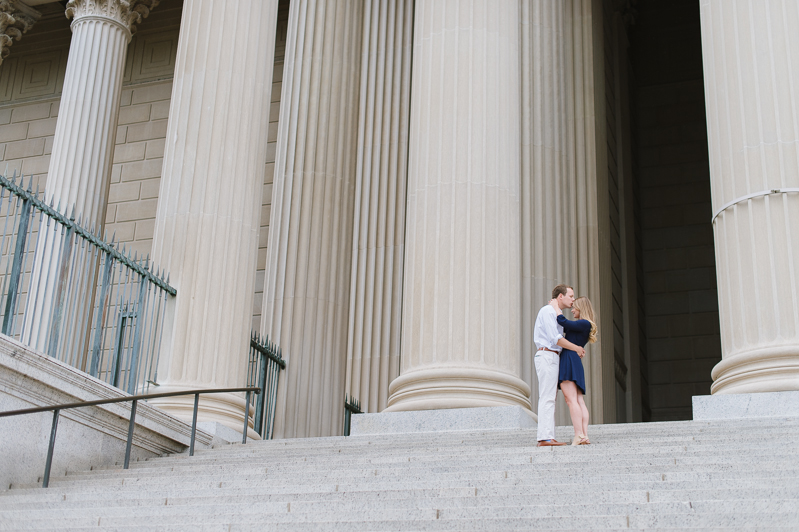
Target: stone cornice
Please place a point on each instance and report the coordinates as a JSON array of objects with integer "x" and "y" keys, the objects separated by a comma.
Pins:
[
  {"x": 127, "y": 13},
  {"x": 15, "y": 19}
]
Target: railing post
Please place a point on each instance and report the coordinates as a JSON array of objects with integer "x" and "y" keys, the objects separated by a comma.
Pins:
[
  {"x": 351, "y": 405},
  {"x": 130, "y": 433},
  {"x": 49, "y": 462},
  {"x": 61, "y": 286},
  {"x": 265, "y": 364},
  {"x": 138, "y": 315},
  {"x": 258, "y": 424},
  {"x": 194, "y": 423},
  {"x": 246, "y": 418},
  {"x": 16, "y": 269},
  {"x": 108, "y": 266}
]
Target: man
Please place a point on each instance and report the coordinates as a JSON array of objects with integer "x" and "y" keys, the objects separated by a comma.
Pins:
[{"x": 548, "y": 338}]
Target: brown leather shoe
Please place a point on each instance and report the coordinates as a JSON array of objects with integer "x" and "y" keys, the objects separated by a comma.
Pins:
[{"x": 551, "y": 443}]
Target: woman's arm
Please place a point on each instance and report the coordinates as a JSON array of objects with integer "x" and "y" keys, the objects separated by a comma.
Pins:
[{"x": 576, "y": 325}]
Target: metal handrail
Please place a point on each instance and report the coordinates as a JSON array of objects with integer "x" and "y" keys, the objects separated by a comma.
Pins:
[{"x": 56, "y": 409}]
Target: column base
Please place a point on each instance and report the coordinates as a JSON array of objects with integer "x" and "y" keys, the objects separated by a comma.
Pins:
[
  {"x": 224, "y": 408},
  {"x": 453, "y": 419},
  {"x": 774, "y": 369},
  {"x": 746, "y": 405},
  {"x": 442, "y": 388}
]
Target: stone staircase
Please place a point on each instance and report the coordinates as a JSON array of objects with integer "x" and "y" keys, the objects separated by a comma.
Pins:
[{"x": 719, "y": 475}]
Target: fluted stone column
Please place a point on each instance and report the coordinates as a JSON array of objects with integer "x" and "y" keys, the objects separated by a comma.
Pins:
[
  {"x": 461, "y": 326},
  {"x": 16, "y": 18},
  {"x": 206, "y": 228},
  {"x": 379, "y": 226},
  {"x": 559, "y": 220},
  {"x": 750, "y": 53},
  {"x": 79, "y": 175},
  {"x": 307, "y": 286},
  {"x": 83, "y": 146}
]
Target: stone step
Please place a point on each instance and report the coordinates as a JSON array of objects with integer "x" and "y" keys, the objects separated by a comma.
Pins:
[
  {"x": 457, "y": 478},
  {"x": 262, "y": 489},
  {"x": 516, "y": 495},
  {"x": 555, "y": 454},
  {"x": 413, "y": 499},
  {"x": 456, "y": 508},
  {"x": 711, "y": 442},
  {"x": 677, "y": 475},
  {"x": 421, "y": 526},
  {"x": 579, "y": 456},
  {"x": 538, "y": 454},
  {"x": 682, "y": 516},
  {"x": 520, "y": 435},
  {"x": 398, "y": 450},
  {"x": 519, "y": 465}
]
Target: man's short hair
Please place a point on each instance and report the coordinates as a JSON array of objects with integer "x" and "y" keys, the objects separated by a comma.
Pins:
[{"x": 560, "y": 290}]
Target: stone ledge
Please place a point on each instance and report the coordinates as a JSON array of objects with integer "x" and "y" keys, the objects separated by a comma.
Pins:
[
  {"x": 454, "y": 419},
  {"x": 87, "y": 437},
  {"x": 746, "y": 405}
]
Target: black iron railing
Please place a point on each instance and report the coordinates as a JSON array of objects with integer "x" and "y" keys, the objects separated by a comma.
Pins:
[
  {"x": 56, "y": 409},
  {"x": 351, "y": 406},
  {"x": 263, "y": 371},
  {"x": 84, "y": 300}
]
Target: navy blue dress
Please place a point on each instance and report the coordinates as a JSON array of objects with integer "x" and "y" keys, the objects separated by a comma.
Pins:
[{"x": 571, "y": 367}]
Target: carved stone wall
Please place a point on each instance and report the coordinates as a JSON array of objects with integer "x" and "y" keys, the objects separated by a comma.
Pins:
[
  {"x": 16, "y": 18},
  {"x": 31, "y": 79}
]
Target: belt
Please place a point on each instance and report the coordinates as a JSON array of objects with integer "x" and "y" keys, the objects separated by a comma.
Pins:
[{"x": 550, "y": 350}]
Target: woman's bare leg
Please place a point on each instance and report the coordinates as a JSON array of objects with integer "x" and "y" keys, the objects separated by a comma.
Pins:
[
  {"x": 584, "y": 410},
  {"x": 571, "y": 394}
]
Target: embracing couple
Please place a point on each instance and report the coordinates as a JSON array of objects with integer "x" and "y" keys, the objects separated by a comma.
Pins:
[{"x": 561, "y": 345}]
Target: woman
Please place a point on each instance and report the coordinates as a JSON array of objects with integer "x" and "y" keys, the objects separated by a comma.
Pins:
[{"x": 571, "y": 380}]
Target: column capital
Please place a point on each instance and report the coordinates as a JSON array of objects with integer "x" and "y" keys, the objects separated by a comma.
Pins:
[
  {"x": 16, "y": 18},
  {"x": 126, "y": 13}
]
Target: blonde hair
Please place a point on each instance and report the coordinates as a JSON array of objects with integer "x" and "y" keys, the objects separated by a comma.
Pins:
[{"x": 583, "y": 304}]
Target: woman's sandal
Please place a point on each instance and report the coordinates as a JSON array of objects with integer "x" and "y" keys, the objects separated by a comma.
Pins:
[
  {"x": 584, "y": 441},
  {"x": 580, "y": 440}
]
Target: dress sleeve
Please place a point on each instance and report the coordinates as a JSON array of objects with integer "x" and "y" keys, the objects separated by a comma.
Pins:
[{"x": 576, "y": 325}]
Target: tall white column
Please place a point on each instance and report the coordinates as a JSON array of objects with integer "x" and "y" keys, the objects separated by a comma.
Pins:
[
  {"x": 461, "y": 326},
  {"x": 373, "y": 346},
  {"x": 750, "y": 53},
  {"x": 559, "y": 169},
  {"x": 206, "y": 229},
  {"x": 310, "y": 233},
  {"x": 83, "y": 147}
]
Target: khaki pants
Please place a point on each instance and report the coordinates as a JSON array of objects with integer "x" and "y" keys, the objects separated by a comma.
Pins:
[{"x": 547, "y": 367}]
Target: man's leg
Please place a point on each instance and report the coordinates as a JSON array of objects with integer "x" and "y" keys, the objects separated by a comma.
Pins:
[{"x": 546, "y": 367}]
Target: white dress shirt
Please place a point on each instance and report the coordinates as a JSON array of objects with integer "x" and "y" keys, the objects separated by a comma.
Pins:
[{"x": 547, "y": 332}]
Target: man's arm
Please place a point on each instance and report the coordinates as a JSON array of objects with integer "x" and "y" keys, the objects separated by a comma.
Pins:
[{"x": 564, "y": 343}]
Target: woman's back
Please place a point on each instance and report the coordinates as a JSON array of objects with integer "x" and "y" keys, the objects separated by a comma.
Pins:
[{"x": 575, "y": 331}]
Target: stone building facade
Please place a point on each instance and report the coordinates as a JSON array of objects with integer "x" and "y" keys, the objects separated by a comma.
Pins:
[{"x": 389, "y": 189}]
